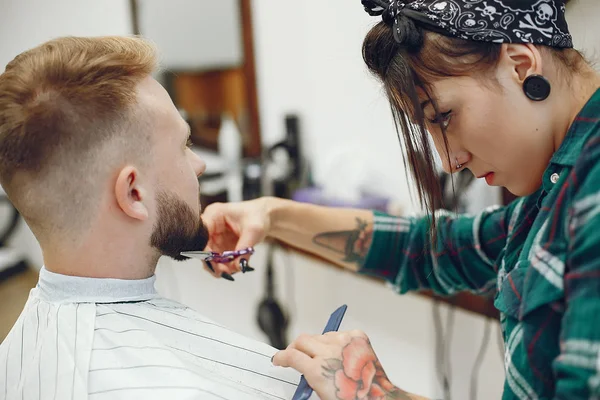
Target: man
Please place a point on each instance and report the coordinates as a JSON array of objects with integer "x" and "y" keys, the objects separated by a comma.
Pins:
[{"x": 94, "y": 155}]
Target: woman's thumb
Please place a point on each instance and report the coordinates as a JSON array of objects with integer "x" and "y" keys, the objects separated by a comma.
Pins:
[{"x": 249, "y": 237}]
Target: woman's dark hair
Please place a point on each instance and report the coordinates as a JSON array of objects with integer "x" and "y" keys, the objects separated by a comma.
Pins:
[{"x": 417, "y": 60}]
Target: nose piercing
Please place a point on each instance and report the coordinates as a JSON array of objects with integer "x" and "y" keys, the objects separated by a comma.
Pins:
[{"x": 458, "y": 166}]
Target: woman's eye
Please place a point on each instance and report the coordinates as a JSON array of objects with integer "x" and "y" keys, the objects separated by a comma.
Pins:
[
  {"x": 443, "y": 119},
  {"x": 189, "y": 142}
]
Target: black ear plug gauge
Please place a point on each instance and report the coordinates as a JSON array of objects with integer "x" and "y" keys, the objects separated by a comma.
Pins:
[{"x": 536, "y": 87}]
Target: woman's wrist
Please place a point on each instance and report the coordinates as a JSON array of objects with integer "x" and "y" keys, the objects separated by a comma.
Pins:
[{"x": 276, "y": 210}]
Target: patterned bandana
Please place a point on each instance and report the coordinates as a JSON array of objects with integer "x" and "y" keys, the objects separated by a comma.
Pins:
[{"x": 500, "y": 21}]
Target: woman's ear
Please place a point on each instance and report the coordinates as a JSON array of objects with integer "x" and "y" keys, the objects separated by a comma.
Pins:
[
  {"x": 130, "y": 195},
  {"x": 523, "y": 59}
]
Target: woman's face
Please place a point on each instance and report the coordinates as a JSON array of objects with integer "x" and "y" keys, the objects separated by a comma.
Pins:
[{"x": 492, "y": 129}]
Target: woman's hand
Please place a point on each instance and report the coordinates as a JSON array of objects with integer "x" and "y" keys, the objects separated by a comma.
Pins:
[
  {"x": 235, "y": 226},
  {"x": 340, "y": 366},
  {"x": 341, "y": 236}
]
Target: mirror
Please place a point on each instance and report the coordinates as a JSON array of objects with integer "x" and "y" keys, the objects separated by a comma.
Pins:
[{"x": 207, "y": 57}]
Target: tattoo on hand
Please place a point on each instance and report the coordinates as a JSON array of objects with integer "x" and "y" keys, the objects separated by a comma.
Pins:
[
  {"x": 358, "y": 375},
  {"x": 353, "y": 244}
]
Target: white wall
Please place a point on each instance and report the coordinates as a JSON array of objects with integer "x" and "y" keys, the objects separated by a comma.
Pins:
[
  {"x": 583, "y": 18},
  {"x": 25, "y": 24},
  {"x": 308, "y": 57},
  {"x": 192, "y": 34}
]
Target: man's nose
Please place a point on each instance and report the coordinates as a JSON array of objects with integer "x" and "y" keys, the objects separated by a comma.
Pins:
[{"x": 199, "y": 165}]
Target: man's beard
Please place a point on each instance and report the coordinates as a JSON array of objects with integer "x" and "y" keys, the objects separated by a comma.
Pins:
[{"x": 178, "y": 228}]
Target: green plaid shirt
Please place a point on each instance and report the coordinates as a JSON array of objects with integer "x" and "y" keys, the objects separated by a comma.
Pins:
[{"x": 541, "y": 253}]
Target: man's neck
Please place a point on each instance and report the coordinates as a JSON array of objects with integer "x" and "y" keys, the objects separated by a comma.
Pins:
[{"x": 106, "y": 256}]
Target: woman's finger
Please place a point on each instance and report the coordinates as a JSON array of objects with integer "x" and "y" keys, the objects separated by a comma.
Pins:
[
  {"x": 294, "y": 358},
  {"x": 343, "y": 337},
  {"x": 336, "y": 338},
  {"x": 221, "y": 269},
  {"x": 209, "y": 267},
  {"x": 245, "y": 265},
  {"x": 311, "y": 345},
  {"x": 249, "y": 237}
]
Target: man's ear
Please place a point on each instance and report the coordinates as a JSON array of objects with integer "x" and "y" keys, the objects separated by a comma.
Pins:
[
  {"x": 523, "y": 59},
  {"x": 130, "y": 195}
]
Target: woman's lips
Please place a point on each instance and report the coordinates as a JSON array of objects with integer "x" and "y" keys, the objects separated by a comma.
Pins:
[{"x": 489, "y": 178}]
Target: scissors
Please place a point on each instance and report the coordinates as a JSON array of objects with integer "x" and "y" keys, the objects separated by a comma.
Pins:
[{"x": 220, "y": 258}]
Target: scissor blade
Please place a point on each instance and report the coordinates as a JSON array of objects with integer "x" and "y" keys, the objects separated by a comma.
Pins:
[{"x": 200, "y": 255}]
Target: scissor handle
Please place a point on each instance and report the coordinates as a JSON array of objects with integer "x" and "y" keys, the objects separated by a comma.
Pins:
[
  {"x": 230, "y": 255},
  {"x": 225, "y": 257},
  {"x": 222, "y": 259},
  {"x": 238, "y": 253}
]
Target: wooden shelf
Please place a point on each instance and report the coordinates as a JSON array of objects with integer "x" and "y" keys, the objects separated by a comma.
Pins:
[
  {"x": 469, "y": 302},
  {"x": 480, "y": 305}
]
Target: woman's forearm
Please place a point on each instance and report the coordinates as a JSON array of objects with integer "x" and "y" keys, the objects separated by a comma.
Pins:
[{"x": 342, "y": 236}]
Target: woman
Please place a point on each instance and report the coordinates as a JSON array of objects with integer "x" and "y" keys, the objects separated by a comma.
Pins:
[{"x": 498, "y": 87}]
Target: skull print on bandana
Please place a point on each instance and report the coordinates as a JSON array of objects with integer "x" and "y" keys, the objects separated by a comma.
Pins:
[{"x": 500, "y": 21}]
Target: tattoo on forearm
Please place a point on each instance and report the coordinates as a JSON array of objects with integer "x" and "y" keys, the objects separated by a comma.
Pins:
[
  {"x": 352, "y": 244},
  {"x": 358, "y": 374}
]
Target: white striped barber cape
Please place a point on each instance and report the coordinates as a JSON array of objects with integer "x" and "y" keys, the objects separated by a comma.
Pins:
[{"x": 84, "y": 338}]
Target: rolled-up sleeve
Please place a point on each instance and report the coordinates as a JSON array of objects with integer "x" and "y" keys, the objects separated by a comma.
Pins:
[{"x": 464, "y": 256}]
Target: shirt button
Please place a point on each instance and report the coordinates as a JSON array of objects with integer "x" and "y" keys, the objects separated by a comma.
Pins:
[{"x": 554, "y": 177}]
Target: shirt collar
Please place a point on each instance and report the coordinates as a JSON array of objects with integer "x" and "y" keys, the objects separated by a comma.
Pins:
[
  {"x": 584, "y": 125},
  {"x": 55, "y": 287}
]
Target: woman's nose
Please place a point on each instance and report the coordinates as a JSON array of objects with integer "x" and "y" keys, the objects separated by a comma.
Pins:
[
  {"x": 452, "y": 154},
  {"x": 455, "y": 161}
]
